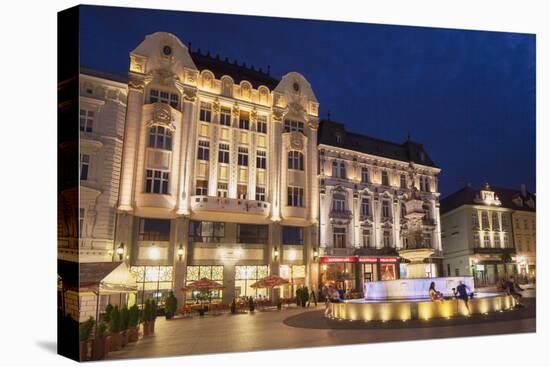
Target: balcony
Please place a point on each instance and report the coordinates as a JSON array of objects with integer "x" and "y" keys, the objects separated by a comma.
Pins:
[
  {"x": 494, "y": 250},
  {"x": 213, "y": 204},
  {"x": 332, "y": 251},
  {"x": 340, "y": 214}
]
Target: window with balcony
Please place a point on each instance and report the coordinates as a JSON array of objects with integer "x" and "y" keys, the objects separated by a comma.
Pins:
[
  {"x": 160, "y": 138},
  {"x": 84, "y": 166},
  {"x": 343, "y": 170},
  {"x": 222, "y": 190},
  {"x": 223, "y": 153},
  {"x": 205, "y": 112},
  {"x": 385, "y": 178},
  {"x": 338, "y": 203},
  {"x": 242, "y": 191},
  {"x": 242, "y": 159},
  {"x": 486, "y": 240},
  {"x": 87, "y": 120},
  {"x": 225, "y": 116},
  {"x": 496, "y": 239},
  {"x": 260, "y": 193},
  {"x": 364, "y": 175},
  {"x": 156, "y": 181},
  {"x": 403, "y": 181},
  {"x": 386, "y": 213},
  {"x": 156, "y": 95},
  {"x": 151, "y": 229},
  {"x": 295, "y": 160},
  {"x": 203, "y": 151},
  {"x": 252, "y": 233},
  {"x": 292, "y": 125},
  {"x": 201, "y": 188},
  {"x": 339, "y": 237},
  {"x": 201, "y": 231},
  {"x": 365, "y": 207},
  {"x": 293, "y": 235},
  {"x": 334, "y": 169},
  {"x": 261, "y": 159},
  {"x": 295, "y": 196},
  {"x": 386, "y": 239},
  {"x": 261, "y": 124},
  {"x": 244, "y": 120}
]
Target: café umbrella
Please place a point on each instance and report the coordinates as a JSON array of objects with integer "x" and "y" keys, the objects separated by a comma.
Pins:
[
  {"x": 204, "y": 285},
  {"x": 270, "y": 281}
]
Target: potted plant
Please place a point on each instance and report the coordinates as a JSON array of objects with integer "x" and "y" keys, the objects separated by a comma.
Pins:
[
  {"x": 299, "y": 296},
  {"x": 251, "y": 304},
  {"x": 133, "y": 321},
  {"x": 170, "y": 306},
  {"x": 305, "y": 296},
  {"x": 85, "y": 330},
  {"x": 146, "y": 317},
  {"x": 153, "y": 316},
  {"x": 124, "y": 319},
  {"x": 106, "y": 317},
  {"x": 100, "y": 343},
  {"x": 114, "y": 330}
]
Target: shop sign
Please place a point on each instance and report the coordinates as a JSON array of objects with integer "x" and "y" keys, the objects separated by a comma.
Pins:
[
  {"x": 388, "y": 259},
  {"x": 341, "y": 259},
  {"x": 363, "y": 259}
]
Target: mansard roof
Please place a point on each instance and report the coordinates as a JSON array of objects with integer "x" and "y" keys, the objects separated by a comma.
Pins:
[
  {"x": 509, "y": 198},
  {"x": 238, "y": 72},
  {"x": 409, "y": 151}
]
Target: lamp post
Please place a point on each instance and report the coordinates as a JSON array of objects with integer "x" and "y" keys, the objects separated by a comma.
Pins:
[
  {"x": 276, "y": 253},
  {"x": 180, "y": 252}
]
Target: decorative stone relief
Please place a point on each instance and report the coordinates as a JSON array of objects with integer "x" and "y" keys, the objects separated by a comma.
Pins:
[
  {"x": 162, "y": 115},
  {"x": 137, "y": 64}
]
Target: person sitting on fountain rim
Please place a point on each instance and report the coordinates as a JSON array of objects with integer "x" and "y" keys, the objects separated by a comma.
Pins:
[
  {"x": 512, "y": 289},
  {"x": 434, "y": 294},
  {"x": 462, "y": 293}
]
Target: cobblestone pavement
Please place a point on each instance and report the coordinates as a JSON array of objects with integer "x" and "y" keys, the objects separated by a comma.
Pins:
[{"x": 270, "y": 330}]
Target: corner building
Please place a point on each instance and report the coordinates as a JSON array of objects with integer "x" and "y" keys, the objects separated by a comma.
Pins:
[{"x": 218, "y": 174}]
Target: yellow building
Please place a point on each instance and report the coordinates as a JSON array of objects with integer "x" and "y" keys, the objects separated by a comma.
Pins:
[{"x": 524, "y": 219}]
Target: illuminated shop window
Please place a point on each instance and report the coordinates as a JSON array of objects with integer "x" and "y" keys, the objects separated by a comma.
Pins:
[
  {"x": 212, "y": 272},
  {"x": 153, "y": 282},
  {"x": 245, "y": 276}
]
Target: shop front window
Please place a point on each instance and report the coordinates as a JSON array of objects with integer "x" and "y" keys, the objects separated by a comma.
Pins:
[
  {"x": 153, "y": 282},
  {"x": 212, "y": 272},
  {"x": 247, "y": 275},
  {"x": 387, "y": 271}
]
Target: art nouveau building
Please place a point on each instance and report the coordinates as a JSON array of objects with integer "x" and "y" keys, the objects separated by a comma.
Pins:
[
  {"x": 218, "y": 172},
  {"x": 479, "y": 238},
  {"x": 370, "y": 190}
]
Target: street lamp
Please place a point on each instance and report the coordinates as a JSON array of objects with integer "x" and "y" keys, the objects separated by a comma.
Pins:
[
  {"x": 275, "y": 253},
  {"x": 120, "y": 251},
  {"x": 315, "y": 254},
  {"x": 180, "y": 252}
]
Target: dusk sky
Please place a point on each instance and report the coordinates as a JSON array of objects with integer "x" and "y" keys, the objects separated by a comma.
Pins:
[{"x": 467, "y": 96}]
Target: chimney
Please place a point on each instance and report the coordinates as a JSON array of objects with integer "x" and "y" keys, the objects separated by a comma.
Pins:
[{"x": 523, "y": 190}]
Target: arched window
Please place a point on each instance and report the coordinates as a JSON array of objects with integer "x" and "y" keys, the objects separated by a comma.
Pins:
[
  {"x": 342, "y": 170},
  {"x": 227, "y": 86},
  {"x": 160, "y": 137},
  {"x": 295, "y": 160}
]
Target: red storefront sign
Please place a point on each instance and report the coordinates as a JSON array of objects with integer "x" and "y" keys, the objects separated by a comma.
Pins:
[
  {"x": 388, "y": 259},
  {"x": 363, "y": 259},
  {"x": 340, "y": 259}
]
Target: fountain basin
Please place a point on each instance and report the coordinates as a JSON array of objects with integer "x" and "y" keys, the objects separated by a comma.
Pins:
[
  {"x": 419, "y": 308},
  {"x": 415, "y": 288}
]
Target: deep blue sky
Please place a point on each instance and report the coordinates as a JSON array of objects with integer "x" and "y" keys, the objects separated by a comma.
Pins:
[{"x": 468, "y": 96}]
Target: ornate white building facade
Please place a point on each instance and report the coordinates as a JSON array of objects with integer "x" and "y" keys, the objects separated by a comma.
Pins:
[
  {"x": 370, "y": 193},
  {"x": 218, "y": 173}
]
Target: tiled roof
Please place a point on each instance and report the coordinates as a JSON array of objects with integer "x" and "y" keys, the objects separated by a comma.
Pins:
[
  {"x": 238, "y": 72},
  {"x": 409, "y": 151},
  {"x": 467, "y": 196}
]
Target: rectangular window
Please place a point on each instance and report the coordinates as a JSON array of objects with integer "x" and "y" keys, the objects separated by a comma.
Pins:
[
  {"x": 295, "y": 196},
  {"x": 292, "y": 125},
  {"x": 260, "y": 193},
  {"x": 87, "y": 120},
  {"x": 156, "y": 181},
  {"x": 205, "y": 113},
  {"x": 244, "y": 120},
  {"x": 242, "y": 159},
  {"x": 225, "y": 116},
  {"x": 385, "y": 178},
  {"x": 486, "y": 240},
  {"x": 212, "y": 272},
  {"x": 366, "y": 238},
  {"x": 475, "y": 220},
  {"x": 206, "y": 231},
  {"x": 84, "y": 166},
  {"x": 494, "y": 222},
  {"x": 496, "y": 239},
  {"x": 151, "y": 229},
  {"x": 386, "y": 239},
  {"x": 476, "y": 240},
  {"x": 339, "y": 237},
  {"x": 81, "y": 212},
  {"x": 160, "y": 138},
  {"x": 485, "y": 219},
  {"x": 365, "y": 207},
  {"x": 338, "y": 202},
  {"x": 364, "y": 175},
  {"x": 202, "y": 188},
  {"x": 293, "y": 235},
  {"x": 260, "y": 159},
  {"x": 295, "y": 160},
  {"x": 242, "y": 191},
  {"x": 203, "y": 151},
  {"x": 261, "y": 125},
  {"x": 252, "y": 233},
  {"x": 222, "y": 189},
  {"x": 245, "y": 276},
  {"x": 223, "y": 153},
  {"x": 156, "y": 95},
  {"x": 403, "y": 181},
  {"x": 385, "y": 209}
]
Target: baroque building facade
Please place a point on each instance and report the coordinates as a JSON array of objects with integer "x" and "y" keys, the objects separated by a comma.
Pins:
[
  {"x": 371, "y": 194},
  {"x": 484, "y": 230},
  {"x": 218, "y": 173}
]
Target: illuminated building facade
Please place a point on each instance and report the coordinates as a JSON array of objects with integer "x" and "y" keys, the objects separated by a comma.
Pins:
[
  {"x": 366, "y": 188},
  {"x": 488, "y": 233},
  {"x": 218, "y": 173}
]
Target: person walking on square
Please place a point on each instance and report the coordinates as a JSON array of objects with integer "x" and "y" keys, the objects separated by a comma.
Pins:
[
  {"x": 512, "y": 289},
  {"x": 312, "y": 296},
  {"x": 461, "y": 292}
]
